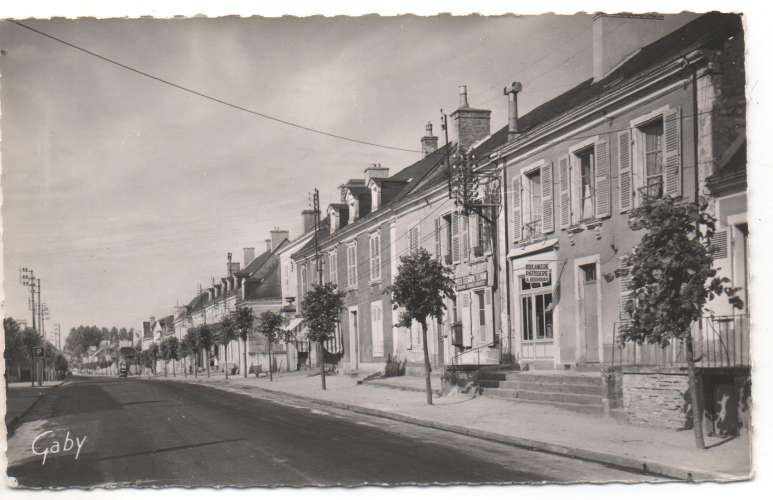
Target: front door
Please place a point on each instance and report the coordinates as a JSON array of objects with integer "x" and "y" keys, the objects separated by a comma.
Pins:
[
  {"x": 354, "y": 345},
  {"x": 589, "y": 308}
]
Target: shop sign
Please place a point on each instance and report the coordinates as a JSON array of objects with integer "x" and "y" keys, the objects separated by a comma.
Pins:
[
  {"x": 472, "y": 281},
  {"x": 537, "y": 273}
]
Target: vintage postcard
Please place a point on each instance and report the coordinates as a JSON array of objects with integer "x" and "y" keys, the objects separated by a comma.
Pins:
[{"x": 376, "y": 250}]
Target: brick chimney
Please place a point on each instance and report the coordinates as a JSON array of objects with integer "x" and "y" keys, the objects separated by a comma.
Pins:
[
  {"x": 375, "y": 171},
  {"x": 470, "y": 124},
  {"x": 249, "y": 255},
  {"x": 429, "y": 141},
  {"x": 277, "y": 236},
  {"x": 618, "y": 36},
  {"x": 308, "y": 220}
]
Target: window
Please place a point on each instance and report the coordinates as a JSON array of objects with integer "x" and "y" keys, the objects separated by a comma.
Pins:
[
  {"x": 532, "y": 216},
  {"x": 333, "y": 266},
  {"x": 588, "y": 273},
  {"x": 652, "y": 133},
  {"x": 536, "y": 311},
  {"x": 375, "y": 257},
  {"x": 377, "y": 328},
  {"x": 481, "y": 310},
  {"x": 587, "y": 199},
  {"x": 413, "y": 239},
  {"x": 447, "y": 239},
  {"x": 351, "y": 265},
  {"x": 304, "y": 284}
]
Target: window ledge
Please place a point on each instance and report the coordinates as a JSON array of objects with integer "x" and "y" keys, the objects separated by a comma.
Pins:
[
  {"x": 593, "y": 224},
  {"x": 374, "y": 282},
  {"x": 575, "y": 228}
]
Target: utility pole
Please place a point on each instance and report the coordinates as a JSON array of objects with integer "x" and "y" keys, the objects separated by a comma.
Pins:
[
  {"x": 320, "y": 347},
  {"x": 40, "y": 313},
  {"x": 27, "y": 278},
  {"x": 58, "y": 330},
  {"x": 444, "y": 126}
]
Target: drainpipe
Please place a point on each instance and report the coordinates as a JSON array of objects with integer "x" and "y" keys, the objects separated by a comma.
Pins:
[{"x": 506, "y": 266}]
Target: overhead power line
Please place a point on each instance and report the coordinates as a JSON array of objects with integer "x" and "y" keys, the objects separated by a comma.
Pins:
[{"x": 209, "y": 97}]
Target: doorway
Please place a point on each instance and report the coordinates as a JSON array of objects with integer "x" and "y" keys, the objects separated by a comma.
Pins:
[{"x": 589, "y": 303}]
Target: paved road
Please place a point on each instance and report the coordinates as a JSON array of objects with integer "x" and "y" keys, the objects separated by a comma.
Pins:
[{"x": 155, "y": 433}]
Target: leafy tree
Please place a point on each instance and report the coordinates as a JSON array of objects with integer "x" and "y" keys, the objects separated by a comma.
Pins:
[
  {"x": 153, "y": 352},
  {"x": 61, "y": 365},
  {"x": 185, "y": 352},
  {"x": 420, "y": 287},
  {"x": 270, "y": 324},
  {"x": 206, "y": 340},
  {"x": 193, "y": 339},
  {"x": 672, "y": 278},
  {"x": 165, "y": 352},
  {"x": 322, "y": 307},
  {"x": 15, "y": 353},
  {"x": 173, "y": 346},
  {"x": 228, "y": 333},
  {"x": 244, "y": 324}
]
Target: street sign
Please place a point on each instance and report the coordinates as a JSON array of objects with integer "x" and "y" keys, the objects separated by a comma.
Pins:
[
  {"x": 537, "y": 273},
  {"x": 37, "y": 352}
]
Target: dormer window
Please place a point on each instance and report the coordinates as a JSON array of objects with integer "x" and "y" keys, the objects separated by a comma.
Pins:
[{"x": 375, "y": 196}]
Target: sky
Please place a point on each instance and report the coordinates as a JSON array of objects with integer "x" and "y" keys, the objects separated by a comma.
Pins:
[{"x": 124, "y": 194}]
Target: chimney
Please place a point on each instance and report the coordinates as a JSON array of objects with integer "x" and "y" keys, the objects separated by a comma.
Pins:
[
  {"x": 375, "y": 171},
  {"x": 308, "y": 220},
  {"x": 618, "y": 36},
  {"x": 228, "y": 268},
  {"x": 268, "y": 244},
  {"x": 429, "y": 141},
  {"x": 512, "y": 109},
  {"x": 470, "y": 124},
  {"x": 277, "y": 236},
  {"x": 249, "y": 254}
]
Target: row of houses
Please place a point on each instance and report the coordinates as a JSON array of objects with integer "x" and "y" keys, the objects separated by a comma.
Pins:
[{"x": 663, "y": 114}]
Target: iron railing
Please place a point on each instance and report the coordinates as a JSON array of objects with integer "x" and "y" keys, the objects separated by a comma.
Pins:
[{"x": 718, "y": 342}]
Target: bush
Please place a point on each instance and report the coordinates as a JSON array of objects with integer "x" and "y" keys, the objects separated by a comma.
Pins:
[{"x": 394, "y": 367}]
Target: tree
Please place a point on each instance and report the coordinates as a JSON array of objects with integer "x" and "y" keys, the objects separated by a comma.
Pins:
[
  {"x": 322, "y": 307},
  {"x": 153, "y": 356},
  {"x": 15, "y": 353},
  {"x": 184, "y": 352},
  {"x": 672, "y": 278},
  {"x": 227, "y": 333},
  {"x": 206, "y": 339},
  {"x": 173, "y": 346},
  {"x": 420, "y": 287},
  {"x": 165, "y": 353},
  {"x": 270, "y": 325},
  {"x": 193, "y": 339},
  {"x": 244, "y": 324}
]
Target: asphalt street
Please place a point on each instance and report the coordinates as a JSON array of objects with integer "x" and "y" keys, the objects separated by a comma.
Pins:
[{"x": 159, "y": 433}]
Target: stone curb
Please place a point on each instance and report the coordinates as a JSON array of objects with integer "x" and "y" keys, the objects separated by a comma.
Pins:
[
  {"x": 386, "y": 385},
  {"x": 633, "y": 464}
]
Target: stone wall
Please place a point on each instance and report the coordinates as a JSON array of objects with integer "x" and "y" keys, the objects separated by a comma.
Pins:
[{"x": 655, "y": 399}]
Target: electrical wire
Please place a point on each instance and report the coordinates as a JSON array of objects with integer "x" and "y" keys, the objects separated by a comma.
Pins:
[{"x": 209, "y": 97}]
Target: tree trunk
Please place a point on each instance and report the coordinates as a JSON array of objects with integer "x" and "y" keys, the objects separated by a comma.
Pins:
[
  {"x": 695, "y": 398},
  {"x": 321, "y": 352},
  {"x": 207, "y": 362},
  {"x": 225, "y": 356},
  {"x": 427, "y": 368},
  {"x": 195, "y": 365},
  {"x": 270, "y": 363},
  {"x": 174, "y": 362},
  {"x": 245, "y": 357}
]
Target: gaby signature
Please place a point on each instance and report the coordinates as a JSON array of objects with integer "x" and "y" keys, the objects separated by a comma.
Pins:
[{"x": 56, "y": 446}]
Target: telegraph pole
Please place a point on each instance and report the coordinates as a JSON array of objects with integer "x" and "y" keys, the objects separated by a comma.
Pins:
[
  {"x": 40, "y": 312},
  {"x": 27, "y": 278},
  {"x": 320, "y": 347}
]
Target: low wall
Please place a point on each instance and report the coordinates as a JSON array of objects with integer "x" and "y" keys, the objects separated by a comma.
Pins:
[{"x": 656, "y": 399}]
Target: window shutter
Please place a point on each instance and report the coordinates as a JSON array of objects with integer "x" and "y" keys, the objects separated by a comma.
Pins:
[
  {"x": 516, "y": 199},
  {"x": 465, "y": 236},
  {"x": 489, "y": 312},
  {"x": 466, "y": 320},
  {"x": 473, "y": 222},
  {"x": 624, "y": 170},
  {"x": 625, "y": 297},
  {"x": 455, "y": 253},
  {"x": 565, "y": 218},
  {"x": 546, "y": 178},
  {"x": 602, "y": 178},
  {"x": 719, "y": 244},
  {"x": 376, "y": 329},
  {"x": 372, "y": 254},
  {"x": 438, "y": 241},
  {"x": 672, "y": 154}
]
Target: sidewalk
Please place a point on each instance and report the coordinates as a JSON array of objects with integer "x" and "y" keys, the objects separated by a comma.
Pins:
[
  {"x": 21, "y": 397},
  {"x": 546, "y": 428}
]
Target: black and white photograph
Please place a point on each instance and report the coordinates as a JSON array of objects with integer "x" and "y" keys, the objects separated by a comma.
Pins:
[{"x": 378, "y": 250}]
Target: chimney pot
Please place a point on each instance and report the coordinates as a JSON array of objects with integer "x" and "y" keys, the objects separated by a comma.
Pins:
[
  {"x": 429, "y": 142},
  {"x": 463, "y": 97},
  {"x": 512, "y": 109}
]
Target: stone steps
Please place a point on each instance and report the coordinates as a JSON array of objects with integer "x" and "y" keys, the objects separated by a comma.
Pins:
[{"x": 573, "y": 391}]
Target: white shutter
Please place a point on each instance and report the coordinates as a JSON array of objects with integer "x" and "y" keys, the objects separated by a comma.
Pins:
[
  {"x": 515, "y": 197},
  {"x": 564, "y": 187},
  {"x": 466, "y": 320},
  {"x": 455, "y": 250},
  {"x": 624, "y": 173},
  {"x": 465, "y": 237},
  {"x": 489, "y": 313},
  {"x": 625, "y": 297},
  {"x": 377, "y": 329},
  {"x": 672, "y": 153},
  {"x": 546, "y": 178},
  {"x": 602, "y": 189},
  {"x": 473, "y": 222},
  {"x": 438, "y": 241},
  {"x": 719, "y": 244}
]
